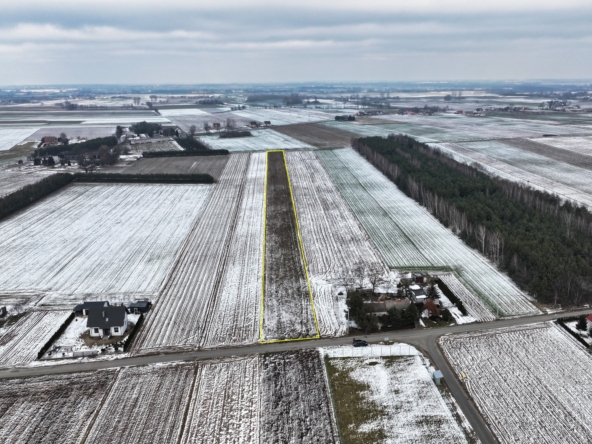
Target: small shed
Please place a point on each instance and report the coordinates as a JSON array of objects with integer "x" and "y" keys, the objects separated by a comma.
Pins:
[
  {"x": 139, "y": 307},
  {"x": 589, "y": 322},
  {"x": 417, "y": 294},
  {"x": 108, "y": 321},
  {"x": 267, "y": 123},
  {"x": 84, "y": 309},
  {"x": 437, "y": 377},
  {"x": 216, "y": 125}
]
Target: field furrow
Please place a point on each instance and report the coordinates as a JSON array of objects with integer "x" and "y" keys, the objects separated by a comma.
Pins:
[{"x": 181, "y": 318}]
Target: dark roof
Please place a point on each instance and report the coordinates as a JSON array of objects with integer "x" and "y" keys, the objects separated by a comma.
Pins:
[
  {"x": 89, "y": 305},
  {"x": 589, "y": 318},
  {"x": 106, "y": 317},
  {"x": 140, "y": 304}
]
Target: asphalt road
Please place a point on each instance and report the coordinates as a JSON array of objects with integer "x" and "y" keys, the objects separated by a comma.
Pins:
[{"x": 425, "y": 339}]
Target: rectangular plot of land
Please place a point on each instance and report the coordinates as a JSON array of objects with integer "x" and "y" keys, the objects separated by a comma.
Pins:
[{"x": 288, "y": 313}]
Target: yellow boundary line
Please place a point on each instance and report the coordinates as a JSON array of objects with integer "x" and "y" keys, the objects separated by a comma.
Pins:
[{"x": 301, "y": 247}]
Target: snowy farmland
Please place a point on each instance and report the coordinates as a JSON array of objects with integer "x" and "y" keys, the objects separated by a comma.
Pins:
[
  {"x": 9, "y": 137},
  {"x": 392, "y": 399},
  {"x": 128, "y": 414},
  {"x": 408, "y": 236},
  {"x": 212, "y": 296},
  {"x": 295, "y": 399},
  {"x": 334, "y": 242},
  {"x": 20, "y": 344},
  {"x": 225, "y": 403},
  {"x": 91, "y": 241},
  {"x": 531, "y": 383},
  {"x": 284, "y": 116},
  {"x": 265, "y": 139},
  {"x": 580, "y": 145},
  {"x": 50, "y": 409}
]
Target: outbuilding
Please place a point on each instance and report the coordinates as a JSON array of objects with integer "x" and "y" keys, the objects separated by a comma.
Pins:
[
  {"x": 437, "y": 377},
  {"x": 139, "y": 307},
  {"x": 589, "y": 322},
  {"x": 84, "y": 309},
  {"x": 108, "y": 321}
]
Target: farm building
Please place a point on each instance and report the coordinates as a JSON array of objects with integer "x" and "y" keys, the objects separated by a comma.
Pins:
[
  {"x": 216, "y": 125},
  {"x": 84, "y": 309},
  {"x": 589, "y": 322},
  {"x": 108, "y": 321},
  {"x": 49, "y": 140},
  {"x": 139, "y": 307}
]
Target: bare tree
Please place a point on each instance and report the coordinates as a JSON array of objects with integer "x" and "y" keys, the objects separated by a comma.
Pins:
[
  {"x": 207, "y": 127},
  {"x": 192, "y": 130},
  {"x": 481, "y": 234},
  {"x": 375, "y": 273},
  {"x": 230, "y": 124}
]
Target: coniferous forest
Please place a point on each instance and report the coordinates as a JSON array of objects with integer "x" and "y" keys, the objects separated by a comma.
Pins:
[{"x": 544, "y": 244}]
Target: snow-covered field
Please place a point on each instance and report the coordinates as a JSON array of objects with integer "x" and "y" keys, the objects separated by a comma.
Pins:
[
  {"x": 580, "y": 145},
  {"x": 51, "y": 409},
  {"x": 295, "y": 400},
  {"x": 20, "y": 344},
  {"x": 212, "y": 296},
  {"x": 334, "y": 242},
  {"x": 107, "y": 241},
  {"x": 9, "y": 137},
  {"x": 284, "y": 116},
  {"x": 408, "y": 236},
  {"x": 73, "y": 132},
  {"x": 568, "y": 181},
  {"x": 265, "y": 139},
  {"x": 531, "y": 383},
  {"x": 397, "y": 401},
  {"x": 15, "y": 177},
  {"x": 225, "y": 406},
  {"x": 144, "y": 405},
  {"x": 475, "y": 307}
]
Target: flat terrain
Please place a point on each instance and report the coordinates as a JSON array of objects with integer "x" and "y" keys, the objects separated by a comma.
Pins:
[
  {"x": 109, "y": 241},
  {"x": 530, "y": 382},
  {"x": 320, "y": 136},
  {"x": 409, "y": 237},
  {"x": 261, "y": 140},
  {"x": 288, "y": 312},
  {"x": 390, "y": 399}
]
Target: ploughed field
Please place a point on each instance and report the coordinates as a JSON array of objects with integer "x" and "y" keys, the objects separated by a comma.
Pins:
[
  {"x": 531, "y": 383},
  {"x": 288, "y": 312}
]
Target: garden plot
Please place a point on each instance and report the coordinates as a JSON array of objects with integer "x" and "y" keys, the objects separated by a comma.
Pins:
[
  {"x": 212, "y": 165},
  {"x": 392, "y": 399},
  {"x": 261, "y": 140},
  {"x": 334, "y": 242},
  {"x": 9, "y": 137},
  {"x": 20, "y": 344},
  {"x": 516, "y": 172},
  {"x": 295, "y": 400},
  {"x": 408, "y": 236},
  {"x": 51, "y": 409},
  {"x": 98, "y": 241},
  {"x": 531, "y": 383},
  {"x": 227, "y": 236},
  {"x": 287, "y": 305},
  {"x": 285, "y": 116},
  {"x": 144, "y": 405},
  {"x": 224, "y": 405}
]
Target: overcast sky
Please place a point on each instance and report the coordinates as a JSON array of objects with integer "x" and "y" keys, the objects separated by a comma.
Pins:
[{"x": 221, "y": 41}]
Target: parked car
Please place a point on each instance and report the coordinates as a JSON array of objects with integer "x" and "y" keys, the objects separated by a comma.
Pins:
[{"x": 360, "y": 343}]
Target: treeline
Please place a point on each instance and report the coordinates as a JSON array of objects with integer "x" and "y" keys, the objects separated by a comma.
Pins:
[
  {"x": 77, "y": 148},
  {"x": 191, "y": 144},
  {"x": 144, "y": 178},
  {"x": 148, "y": 154},
  {"x": 31, "y": 193},
  {"x": 368, "y": 321},
  {"x": 146, "y": 128},
  {"x": 544, "y": 245}
]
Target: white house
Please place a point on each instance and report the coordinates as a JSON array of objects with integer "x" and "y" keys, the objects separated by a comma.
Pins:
[{"x": 107, "y": 321}]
